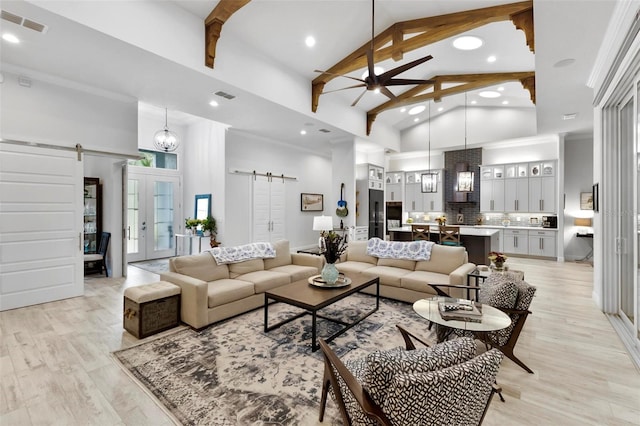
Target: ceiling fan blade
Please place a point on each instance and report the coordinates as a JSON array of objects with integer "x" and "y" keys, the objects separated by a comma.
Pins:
[
  {"x": 344, "y": 88},
  {"x": 403, "y": 81},
  {"x": 383, "y": 78},
  {"x": 358, "y": 98},
  {"x": 340, "y": 75},
  {"x": 387, "y": 93}
]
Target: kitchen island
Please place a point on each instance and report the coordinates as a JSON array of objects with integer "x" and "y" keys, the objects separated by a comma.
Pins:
[{"x": 478, "y": 241}]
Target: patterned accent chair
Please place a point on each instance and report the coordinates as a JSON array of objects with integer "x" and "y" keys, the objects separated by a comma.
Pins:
[
  {"x": 508, "y": 292},
  {"x": 443, "y": 384}
]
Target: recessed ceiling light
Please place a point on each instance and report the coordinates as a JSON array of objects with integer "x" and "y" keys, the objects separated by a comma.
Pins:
[
  {"x": 505, "y": 102},
  {"x": 10, "y": 38},
  {"x": 489, "y": 94},
  {"x": 417, "y": 109},
  {"x": 403, "y": 109},
  {"x": 416, "y": 119},
  {"x": 303, "y": 132},
  {"x": 376, "y": 71},
  {"x": 491, "y": 58},
  {"x": 474, "y": 102},
  {"x": 310, "y": 41},
  {"x": 500, "y": 89},
  {"x": 440, "y": 109},
  {"x": 564, "y": 63},
  {"x": 213, "y": 103},
  {"x": 467, "y": 43}
]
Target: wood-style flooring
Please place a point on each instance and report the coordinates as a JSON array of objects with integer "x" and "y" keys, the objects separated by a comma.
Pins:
[{"x": 56, "y": 367}]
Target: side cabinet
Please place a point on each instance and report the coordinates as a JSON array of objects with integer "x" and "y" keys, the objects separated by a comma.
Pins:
[
  {"x": 542, "y": 243},
  {"x": 516, "y": 241}
]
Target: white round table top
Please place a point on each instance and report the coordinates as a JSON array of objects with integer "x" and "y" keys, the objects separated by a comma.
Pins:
[{"x": 492, "y": 318}]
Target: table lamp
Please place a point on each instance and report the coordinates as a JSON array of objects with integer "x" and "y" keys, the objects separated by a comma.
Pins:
[
  {"x": 584, "y": 222},
  {"x": 322, "y": 224}
]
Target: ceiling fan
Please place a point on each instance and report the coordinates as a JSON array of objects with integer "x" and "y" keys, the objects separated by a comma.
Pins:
[{"x": 380, "y": 82}]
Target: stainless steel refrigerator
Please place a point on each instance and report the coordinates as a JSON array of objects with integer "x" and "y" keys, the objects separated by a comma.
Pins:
[{"x": 376, "y": 213}]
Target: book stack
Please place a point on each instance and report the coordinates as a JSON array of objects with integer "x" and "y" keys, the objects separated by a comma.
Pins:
[{"x": 460, "y": 310}]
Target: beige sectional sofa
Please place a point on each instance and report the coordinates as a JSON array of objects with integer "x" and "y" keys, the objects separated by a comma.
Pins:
[
  {"x": 212, "y": 292},
  {"x": 407, "y": 280}
]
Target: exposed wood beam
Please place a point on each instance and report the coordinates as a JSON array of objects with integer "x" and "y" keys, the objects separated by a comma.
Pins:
[
  {"x": 429, "y": 30},
  {"x": 467, "y": 82},
  {"x": 213, "y": 26},
  {"x": 524, "y": 21}
]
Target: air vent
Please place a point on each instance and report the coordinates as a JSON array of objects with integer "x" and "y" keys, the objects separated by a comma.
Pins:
[
  {"x": 24, "y": 22},
  {"x": 324, "y": 130},
  {"x": 570, "y": 116},
  {"x": 225, "y": 95}
]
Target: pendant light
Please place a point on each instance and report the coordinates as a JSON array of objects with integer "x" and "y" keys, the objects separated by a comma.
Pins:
[
  {"x": 430, "y": 179},
  {"x": 465, "y": 177},
  {"x": 165, "y": 140}
]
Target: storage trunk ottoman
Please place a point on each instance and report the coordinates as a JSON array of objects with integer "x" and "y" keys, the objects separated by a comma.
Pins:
[{"x": 151, "y": 308}]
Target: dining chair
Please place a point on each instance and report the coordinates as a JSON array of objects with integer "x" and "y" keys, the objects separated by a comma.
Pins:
[
  {"x": 100, "y": 258},
  {"x": 420, "y": 233},
  {"x": 449, "y": 235}
]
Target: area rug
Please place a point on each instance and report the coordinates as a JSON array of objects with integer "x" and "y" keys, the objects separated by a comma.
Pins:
[
  {"x": 233, "y": 373},
  {"x": 157, "y": 266}
]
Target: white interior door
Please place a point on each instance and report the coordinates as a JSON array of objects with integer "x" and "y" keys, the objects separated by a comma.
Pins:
[
  {"x": 153, "y": 212},
  {"x": 269, "y": 203},
  {"x": 41, "y": 253}
]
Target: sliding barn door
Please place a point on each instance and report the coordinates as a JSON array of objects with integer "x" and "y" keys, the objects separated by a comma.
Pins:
[{"x": 41, "y": 253}]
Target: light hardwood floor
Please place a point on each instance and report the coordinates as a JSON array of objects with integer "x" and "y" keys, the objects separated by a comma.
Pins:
[{"x": 56, "y": 367}]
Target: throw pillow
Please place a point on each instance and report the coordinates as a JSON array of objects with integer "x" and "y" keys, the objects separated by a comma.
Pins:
[
  {"x": 499, "y": 292},
  {"x": 382, "y": 366}
]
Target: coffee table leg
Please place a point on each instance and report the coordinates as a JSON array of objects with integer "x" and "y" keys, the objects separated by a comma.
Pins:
[
  {"x": 266, "y": 313},
  {"x": 314, "y": 346}
]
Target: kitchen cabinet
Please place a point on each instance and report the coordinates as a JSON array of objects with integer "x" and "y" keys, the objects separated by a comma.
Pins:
[
  {"x": 542, "y": 194},
  {"x": 542, "y": 243},
  {"x": 393, "y": 186},
  {"x": 516, "y": 195},
  {"x": 376, "y": 177},
  {"x": 434, "y": 201},
  {"x": 492, "y": 195},
  {"x": 413, "y": 192},
  {"x": 516, "y": 241},
  {"x": 92, "y": 214}
]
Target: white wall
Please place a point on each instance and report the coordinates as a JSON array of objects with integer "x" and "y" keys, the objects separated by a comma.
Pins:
[
  {"x": 415, "y": 161},
  {"x": 578, "y": 178},
  {"x": 483, "y": 125},
  {"x": 343, "y": 161},
  {"x": 249, "y": 152},
  {"x": 545, "y": 147}
]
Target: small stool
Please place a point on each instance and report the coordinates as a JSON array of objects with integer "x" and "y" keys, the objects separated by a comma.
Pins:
[{"x": 151, "y": 308}]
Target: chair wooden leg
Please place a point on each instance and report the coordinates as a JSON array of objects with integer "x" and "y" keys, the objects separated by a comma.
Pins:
[
  {"x": 326, "y": 382},
  {"x": 509, "y": 354}
]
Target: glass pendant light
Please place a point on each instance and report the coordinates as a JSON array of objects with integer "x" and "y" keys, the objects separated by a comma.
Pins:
[
  {"x": 465, "y": 177},
  {"x": 165, "y": 140}
]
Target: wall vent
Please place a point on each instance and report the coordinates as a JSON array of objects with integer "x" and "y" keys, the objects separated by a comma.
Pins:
[
  {"x": 224, "y": 95},
  {"x": 324, "y": 130},
  {"x": 23, "y": 22}
]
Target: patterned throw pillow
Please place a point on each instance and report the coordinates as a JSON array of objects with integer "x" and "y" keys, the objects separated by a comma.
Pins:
[
  {"x": 382, "y": 366},
  {"x": 498, "y": 291},
  {"x": 455, "y": 395}
]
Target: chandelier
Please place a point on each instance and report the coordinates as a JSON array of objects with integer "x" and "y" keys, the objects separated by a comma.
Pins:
[
  {"x": 165, "y": 140},
  {"x": 465, "y": 177}
]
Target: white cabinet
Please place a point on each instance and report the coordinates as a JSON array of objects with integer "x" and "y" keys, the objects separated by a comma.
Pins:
[
  {"x": 376, "y": 177},
  {"x": 268, "y": 209},
  {"x": 413, "y": 192},
  {"x": 516, "y": 241},
  {"x": 542, "y": 194},
  {"x": 492, "y": 195},
  {"x": 516, "y": 195},
  {"x": 433, "y": 201},
  {"x": 359, "y": 233},
  {"x": 393, "y": 186},
  {"x": 542, "y": 243}
]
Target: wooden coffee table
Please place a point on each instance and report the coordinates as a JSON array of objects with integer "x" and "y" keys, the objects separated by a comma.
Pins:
[{"x": 303, "y": 295}]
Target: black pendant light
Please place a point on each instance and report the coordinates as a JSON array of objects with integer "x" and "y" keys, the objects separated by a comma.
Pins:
[
  {"x": 429, "y": 179},
  {"x": 465, "y": 177}
]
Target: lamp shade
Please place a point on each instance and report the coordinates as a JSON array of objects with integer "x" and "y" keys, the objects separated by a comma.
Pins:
[
  {"x": 322, "y": 223},
  {"x": 582, "y": 221}
]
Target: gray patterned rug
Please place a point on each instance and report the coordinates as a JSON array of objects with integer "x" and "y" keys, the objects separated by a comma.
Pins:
[
  {"x": 232, "y": 373},
  {"x": 157, "y": 266}
]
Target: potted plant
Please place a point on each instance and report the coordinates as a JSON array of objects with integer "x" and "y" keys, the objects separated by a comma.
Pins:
[
  {"x": 209, "y": 226},
  {"x": 332, "y": 246},
  {"x": 190, "y": 225}
]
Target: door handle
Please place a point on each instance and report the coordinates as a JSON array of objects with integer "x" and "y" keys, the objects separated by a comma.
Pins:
[
  {"x": 144, "y": 226},
  {"x": 128, "y": 232}
]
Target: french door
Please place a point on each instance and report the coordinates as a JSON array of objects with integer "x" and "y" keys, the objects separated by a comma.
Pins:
[{"x": 153, "y": 213}]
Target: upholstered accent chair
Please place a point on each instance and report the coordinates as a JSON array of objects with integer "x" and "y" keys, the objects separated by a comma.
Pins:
[
  {"x": 420, "y": 232},
  {"x": 443, "y": 384},
  {"x": 509, "y": 292}
]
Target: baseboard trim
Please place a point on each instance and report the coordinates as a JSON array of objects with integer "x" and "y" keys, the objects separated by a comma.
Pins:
[{"x": 631, "y": 343}]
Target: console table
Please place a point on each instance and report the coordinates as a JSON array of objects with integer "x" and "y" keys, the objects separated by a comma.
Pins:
[{"x": 188, "y": 240}]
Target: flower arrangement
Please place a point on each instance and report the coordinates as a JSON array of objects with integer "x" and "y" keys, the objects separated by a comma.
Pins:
[
  {"x": 332, "y": 246},
  {"x": 441, "y": 220},
  {"x": 191, "y": 223},
  {"x": 497, "y": 257}
]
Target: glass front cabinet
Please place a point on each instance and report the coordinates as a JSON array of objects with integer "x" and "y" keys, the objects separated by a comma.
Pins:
[{"x": 92, "y": 214}]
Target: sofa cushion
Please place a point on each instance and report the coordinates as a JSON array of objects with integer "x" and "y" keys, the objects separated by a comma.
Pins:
[
  {"x": 353, "y": 266},
  {"x": 266, "y": 280},
  {"x": 200, "y": 266},
  {"x": 398, "y": 263},
  {"x": 283, "y": 255},
  {"x": 388, "y": 274},
  {"x": 240, "y": 268},
  {"x": 444, "y": 259},
  {"x": 296, "y": 272},
  {"x": 419, "y": 281},
  {"x": 227, "y": 290},
  {"x": 357, "y": 251}
]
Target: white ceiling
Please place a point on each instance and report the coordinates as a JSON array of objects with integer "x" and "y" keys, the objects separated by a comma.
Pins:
[{"x": 276, "y": 30}]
